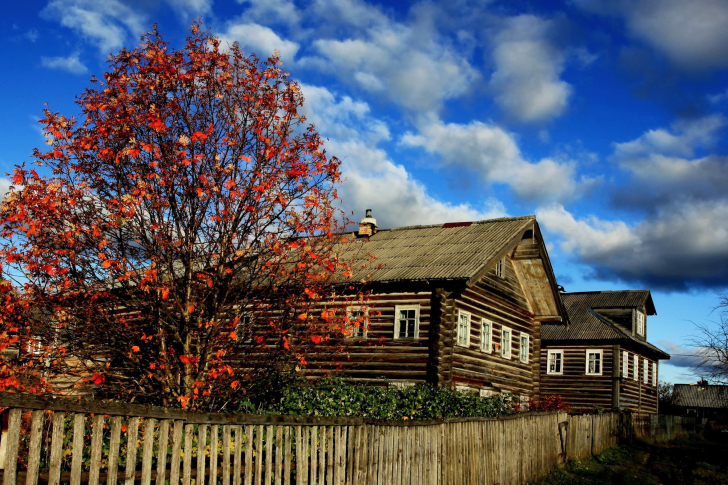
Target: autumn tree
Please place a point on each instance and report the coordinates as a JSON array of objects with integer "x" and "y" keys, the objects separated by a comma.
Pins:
[
  {"x": 712, "y": 346},
  {"x": 174, "y": 244}
]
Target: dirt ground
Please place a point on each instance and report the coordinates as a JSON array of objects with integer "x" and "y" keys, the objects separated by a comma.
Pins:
[{"x": 692, "y": 461}]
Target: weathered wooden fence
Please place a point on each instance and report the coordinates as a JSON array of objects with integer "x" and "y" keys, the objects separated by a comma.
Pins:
[{"x": 54, "y": 441}]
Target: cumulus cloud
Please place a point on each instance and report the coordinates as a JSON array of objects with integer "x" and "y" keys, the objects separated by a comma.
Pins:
[
  {"x": 527, "y": 69},
  {"x": 187, "y": 10},
  {"x": 104, "y": 23},
  {"x": 260, "y": 40},
  {"x": 371, "y": 179},
  {"x": 271, "y": 10},
  {"x": 692, "y": 34},
  {"x": 71, "y": 64},
  {"x": 493, "y": 153}
]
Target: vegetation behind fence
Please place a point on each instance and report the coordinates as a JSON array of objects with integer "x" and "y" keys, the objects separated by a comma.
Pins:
[{"x": 53, "y": 441}]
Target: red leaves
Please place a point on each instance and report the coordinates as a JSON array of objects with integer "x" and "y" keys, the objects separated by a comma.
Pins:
[{"x": 317, "y": 339}]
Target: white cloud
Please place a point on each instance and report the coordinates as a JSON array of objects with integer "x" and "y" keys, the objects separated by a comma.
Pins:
[
  {"x": 260, "y": 40},
  {"x": 718, "y": 98},
  {"x": 71, "y": 64},
  {"x": 493, "y": 153},
  {"x": 105, "y": 23},
  {"x": 188, "y": 10},
  {"x": 271, "y": 10},
  {"x": 4, "y": 187},
  {"x": 526, "y": 80},
  {"x": 692, "y": 34}
]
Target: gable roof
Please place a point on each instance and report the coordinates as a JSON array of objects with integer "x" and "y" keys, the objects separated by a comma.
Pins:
[
  {"x": 585, "y": 324},
  {"x": 453, "y": 251},
  {"x": 695, "y": 396}
]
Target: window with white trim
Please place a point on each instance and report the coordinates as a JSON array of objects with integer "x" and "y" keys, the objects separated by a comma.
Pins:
[
  {"x": 636, "y": 367},
  {"x": 487, "y": 392},
  {"x": 645, "y": 370},
  {"x": 625, "y": 364},
  {"x": 654, "y": 373},
  {"x": 463, "y": 338},
  {"x": 406, "y": 321},
  {"x": 243, "y": 329},
  {"x": 401, "y": 384},
  {"x": 555, "y": 362},
  {"x": 523, "y": 348},
  {"x": 593, "y": 362},
  {"x": 35, "y": 346},
  {"x": 462, "y": 389},
  {"x": 506, "y": 336},
  {"x": 640, "y": 318},
  {"x": 357, "y": 321},
  {"x": 499, "y": 267},
  {"x": 486, "y": 336}
]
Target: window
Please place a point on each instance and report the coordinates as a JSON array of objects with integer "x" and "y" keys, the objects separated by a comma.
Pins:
[
  {"x": 640, "y": 323},
  {"x": 35, "y": 346},
  {"x": 357, "y": 321},
  {"x": 401, "y": 384},
  {"x": 486, "y": 336},
  {"x": 243, "y": 330},
  {"x": 407, "y": 321},
  {"x": 523, "y": 348},
  {"x": 555, "y": 362},
  {"x": 635, "y": 367},
  {"x": 462, "y": 389},
  {"x": 487, "y": 392},
  {"x": 625, "y": 364},
  {"x": 654, "y": 373},
  {"x": 594, "y": 362},
  {"x": 506, "y": 343},
  {"x": 463, "y": 338},
  {"x": 645, "y": 369},
  {"x": 499, "y": 267}
]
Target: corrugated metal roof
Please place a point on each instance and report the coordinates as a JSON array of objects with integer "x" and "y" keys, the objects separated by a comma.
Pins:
[
  {"x": 437, "y": 252},
  {"x": 586, "y": 324},
  {"x": 694, "y": 396}
]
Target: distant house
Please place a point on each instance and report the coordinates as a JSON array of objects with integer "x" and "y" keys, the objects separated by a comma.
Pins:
[
  {"x": 601, "y": 358},
  {"x": 458, "y": 305},
  {"x": 703, "y": 401}
]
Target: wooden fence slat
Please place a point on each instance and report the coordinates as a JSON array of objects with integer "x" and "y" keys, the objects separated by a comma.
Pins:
[
  {"x": 148, "y": 451},
  {"x": 226, "y": 455},
  {"x": 301, "y": 458},
  {"x": 313, "y": 431},
  {"x": 330, "y": 455},
  {"x": 36, "y": 435},
  {"x": 278, "y": 455},
  {"x": 187, "y": 466},
  {"x": 114, "y": 443},
  {"x": 54, "y": 473},
  {"x": 237, "y": 456},
  {"x": 268, "y": 454},
  {"x": 201, "y": 448},
  {"x": 163, "y": 450},
  {"x": 131, "y": 449},
  {"x": 13, "y": 438},
  {"x": 177, "y": 438},
  {"x": 249, "y": 454},
  {"x": 77, "y": 452},
  {"x": 214, "y": 452},
  {"x": 287, "y": 455},
  {"x": 259, "y": 455},
  {"x": 97, "y": 435},
  {"x": 322, "y": 455}
]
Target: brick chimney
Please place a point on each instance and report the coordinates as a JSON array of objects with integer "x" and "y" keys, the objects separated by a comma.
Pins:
[{"x": 368, "y": 225}]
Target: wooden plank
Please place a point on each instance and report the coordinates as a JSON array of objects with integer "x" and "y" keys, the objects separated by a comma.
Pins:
[
  {"x": 54, "y": 472},
  {"x": 226, "y": 455},
  {"x": 268, "y": 454},
  {"x": 248, "y": 473},
  {"x": 323, "y": 443},
  {"x": 148, "y": 451},
  {"x": 301, "y": 458},
  {"x": 359, "y": 455},
  {"x": 278, "y": 458},
  {"x": 258, "y": 455},
  {"x": 314, "y": 455},
  {"x": 114, "y": 441},
  {"x": 214, "y": 452},
  {"x": 163, "y": 450},
  {"x": 350, "y": 453},
  {"x": 34, "y": 447},
  {"x": 187, "y": 463},
  {"x": 330, "y": 455},
  {"x": 13, "y": 440},
  {"x": 237, "y": 456},
  {"x": 131, "y": 449},
  {"x": 177, "y": 439},
  {"x": 77, "y": 452},
  {"x": 201, "y": 448},
  {"x": 287, "y": 456}
]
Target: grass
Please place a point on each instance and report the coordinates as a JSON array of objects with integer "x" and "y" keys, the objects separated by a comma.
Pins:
[{"x": 694, "y": 461}]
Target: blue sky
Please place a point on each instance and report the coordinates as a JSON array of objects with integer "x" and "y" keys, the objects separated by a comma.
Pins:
[{"x": 606, "y": 119}]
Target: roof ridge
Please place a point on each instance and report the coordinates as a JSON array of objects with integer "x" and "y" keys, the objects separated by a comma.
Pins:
[
  {"x": 601, "y": 291},
  {"x": 484, "y": 221}
]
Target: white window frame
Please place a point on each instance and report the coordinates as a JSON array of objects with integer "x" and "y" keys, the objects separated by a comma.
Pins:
[
  {"x": 549, "y": 359},
  {"x": 654, "y": 373},
  {"x": 486, "y": 339},
  {"x": 506, "y": 349},
  {"x": 625, "y": 364},
  {"x": 523, "y": 356},
  {"x": 460, "y": 388},
  {"x": 401, "y": 384},
  {"x": 364, "y": 327},
  {"x": 499, "y": 266},
  {"x": 640, "y": 323},
  {"x": 636, "y": 370},
  {"x": 397, "y": 310},
  {"x": 34, "y": 346},
  {"x": 600, "y": 353},
  {"x": 462, "y": 338},
  {"x": 645, "y": 371}
]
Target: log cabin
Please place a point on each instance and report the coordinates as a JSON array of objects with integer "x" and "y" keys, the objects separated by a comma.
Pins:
[
  {"x": 457, "y": 305},
  {"x": 601, "y": 359}
]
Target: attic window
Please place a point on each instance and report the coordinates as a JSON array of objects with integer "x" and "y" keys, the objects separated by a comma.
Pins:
[
  {"x": 640, "y": 324},
  {"x": 499, "y": 267}
]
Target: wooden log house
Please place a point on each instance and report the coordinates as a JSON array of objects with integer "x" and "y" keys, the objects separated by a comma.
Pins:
[
  {"x": 457, "y": 305},
  {"x": 602, "y": 358}
]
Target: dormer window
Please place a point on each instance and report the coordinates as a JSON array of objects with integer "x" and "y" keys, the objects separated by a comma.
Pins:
[
  {"x": 640, "y": 320},
  {"x": 499, "y": 267}
]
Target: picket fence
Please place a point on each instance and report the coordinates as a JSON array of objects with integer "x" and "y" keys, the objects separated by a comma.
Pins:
[{"x": 62, "y": 441}]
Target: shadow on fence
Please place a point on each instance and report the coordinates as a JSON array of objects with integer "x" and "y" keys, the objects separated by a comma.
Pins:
[{"x": 54, "y": 441}]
